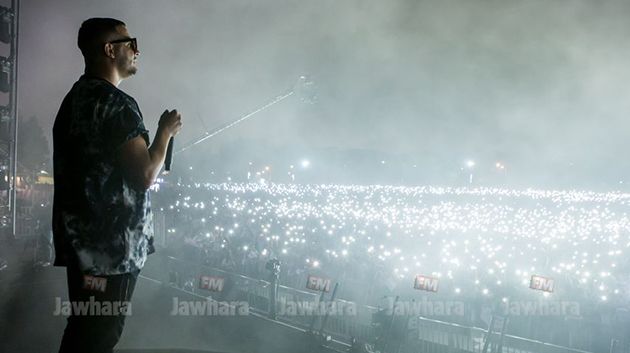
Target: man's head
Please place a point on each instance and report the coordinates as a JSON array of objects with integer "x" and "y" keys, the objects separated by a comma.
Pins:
[{"x": 106, "y": 44}]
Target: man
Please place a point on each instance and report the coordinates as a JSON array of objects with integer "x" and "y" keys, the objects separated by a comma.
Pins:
[{"x": 103, "y": 168}]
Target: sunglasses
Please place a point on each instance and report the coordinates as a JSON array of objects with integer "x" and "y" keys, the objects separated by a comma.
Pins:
[{"x": 134, "y": 42}]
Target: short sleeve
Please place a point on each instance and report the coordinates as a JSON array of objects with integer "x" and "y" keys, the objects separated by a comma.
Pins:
[{"x": 124, "y": 124}]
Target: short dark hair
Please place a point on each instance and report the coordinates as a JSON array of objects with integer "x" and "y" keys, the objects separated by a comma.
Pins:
[{"x": 93, "y": 32}]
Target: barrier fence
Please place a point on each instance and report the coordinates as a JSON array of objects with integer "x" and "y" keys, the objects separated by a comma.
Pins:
[{"x": 346, "y": 320}]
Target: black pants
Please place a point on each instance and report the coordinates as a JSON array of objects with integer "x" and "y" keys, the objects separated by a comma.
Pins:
[{"x": 90, "y": 331}]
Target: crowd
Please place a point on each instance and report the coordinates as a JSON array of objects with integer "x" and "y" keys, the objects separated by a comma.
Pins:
[
  {"x": 376, "y": 239},
  {"x": 482, "y": 244}
]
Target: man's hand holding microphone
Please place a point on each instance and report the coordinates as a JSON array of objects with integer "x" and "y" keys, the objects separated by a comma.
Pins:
[{"x": 170, "y": 124}]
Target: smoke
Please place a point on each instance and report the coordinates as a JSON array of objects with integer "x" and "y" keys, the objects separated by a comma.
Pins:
[{"x": 534, "y": 83}]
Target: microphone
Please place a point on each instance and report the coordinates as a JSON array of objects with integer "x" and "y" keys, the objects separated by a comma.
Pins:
[{"x": 169, "y": 155}]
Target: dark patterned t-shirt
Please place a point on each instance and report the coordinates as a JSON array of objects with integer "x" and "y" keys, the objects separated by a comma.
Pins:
[{"x": 99, "y": 219}]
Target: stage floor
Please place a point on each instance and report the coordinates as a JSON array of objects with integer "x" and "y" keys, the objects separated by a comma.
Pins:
[{"x": 28, "y": 299}]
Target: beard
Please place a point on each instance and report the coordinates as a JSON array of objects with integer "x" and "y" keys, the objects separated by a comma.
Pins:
[
  {"x": 132, "y": 69},
  {"x": 126, "y": 67}
]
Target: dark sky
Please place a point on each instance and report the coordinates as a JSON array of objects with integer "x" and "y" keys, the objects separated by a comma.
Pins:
[{"x": 513, "y": 80}]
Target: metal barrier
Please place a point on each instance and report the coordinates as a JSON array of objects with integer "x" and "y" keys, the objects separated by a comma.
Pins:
[
  {"x": 437, "y": 336},
  {"x": 236, "y": 287},
  {"x": 345, "y": 321},
  {"x": 620, "y": 345},
  {"x": 300, "y": 308}
]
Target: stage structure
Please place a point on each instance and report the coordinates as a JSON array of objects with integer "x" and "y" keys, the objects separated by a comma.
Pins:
[{"x": 9, "y": 24}]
